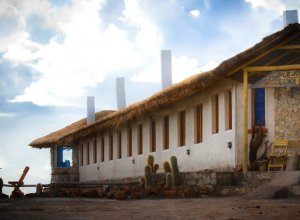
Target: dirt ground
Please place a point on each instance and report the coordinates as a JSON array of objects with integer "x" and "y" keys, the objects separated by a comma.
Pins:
[{"x": 198, "y": 208}]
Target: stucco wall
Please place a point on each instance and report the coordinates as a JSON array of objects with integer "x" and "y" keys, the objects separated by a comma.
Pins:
[{"x": 212, "y": 153}]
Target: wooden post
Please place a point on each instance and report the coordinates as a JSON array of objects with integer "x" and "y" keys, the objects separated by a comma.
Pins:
[
  {"x": 1, "y": 186},
  {"x": 245, "y": 152}
]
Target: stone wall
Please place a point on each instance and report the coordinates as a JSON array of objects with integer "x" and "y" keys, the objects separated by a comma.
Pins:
[
  {"x": 64, "y": 174},
  {"x": 287, "y": 115}
]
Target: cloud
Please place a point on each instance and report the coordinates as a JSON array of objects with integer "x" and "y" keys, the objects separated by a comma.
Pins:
[
  {"x": 275, "y": 6},
  {"x": 182, "y": 67},
  {"x": 87, "y": 54},
  {"x": 195, "y": 13},
  {"x": 3, "y": 162},
  {"x": 5, "y": 115}
]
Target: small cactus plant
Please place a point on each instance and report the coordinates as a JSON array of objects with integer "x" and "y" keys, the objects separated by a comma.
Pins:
[
  {"x": 150, "y": 161},
  {"x": 169, "y": 178},
  {"x": 167, "y": 167},
  {"x": 155, "y": 168},
  {"x": 148, "y": 176},
  {"x": 175, "y": 171}
]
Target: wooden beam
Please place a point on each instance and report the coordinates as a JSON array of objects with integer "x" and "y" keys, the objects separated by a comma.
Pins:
[
  {"x": 272, "y": 62},
  {"x": 245, "y": 150},
  {"x": 288, "y": 47},
  {"x": 261, "y": 55},
  {"x": 271, "y": 68}
]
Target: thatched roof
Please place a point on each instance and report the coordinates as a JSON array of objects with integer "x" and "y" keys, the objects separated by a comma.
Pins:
[
  {"x": 52, "y": 138},
  {"x": 172, "y": 94}
]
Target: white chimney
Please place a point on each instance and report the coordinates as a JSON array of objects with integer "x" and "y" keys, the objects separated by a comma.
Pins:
[
  {"x": 290, "y": 17},
  {"x": 120, "y": 91},
  {"x": 90, "y": 110},
  {"x": 166, "y": 68}
]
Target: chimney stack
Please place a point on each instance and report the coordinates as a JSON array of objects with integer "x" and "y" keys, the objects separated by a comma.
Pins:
[
  {"x": 120, "y": 91},
  {"x": 166, "y": 68},
  {"x": 290, "y": 17},
  {"x": 90, "y": 110}
]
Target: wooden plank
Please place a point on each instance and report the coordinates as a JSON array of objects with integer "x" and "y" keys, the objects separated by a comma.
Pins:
[
  {"x": 261, "y": 55},
  {"x": 289, "y": 47},
  {"x": 271, "y": 68}
]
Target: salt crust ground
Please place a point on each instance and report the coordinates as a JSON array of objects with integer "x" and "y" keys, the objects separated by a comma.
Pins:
[{"x": 198, "y": 208}]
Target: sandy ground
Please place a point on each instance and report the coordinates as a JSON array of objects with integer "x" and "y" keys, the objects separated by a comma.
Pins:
[{"x": 198, "y": 208}]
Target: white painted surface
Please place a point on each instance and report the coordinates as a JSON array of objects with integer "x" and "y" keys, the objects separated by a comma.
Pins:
[
  {"x": 120, "y": 91},
  {"x": 290, "y": 17},
  {"x": 90, "y": 110},
  {"x": 166, "y": 68},
  {"x": 212, "y": 153}
]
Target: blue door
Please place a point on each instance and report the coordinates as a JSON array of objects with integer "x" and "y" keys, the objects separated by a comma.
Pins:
[{"x": 259, "y": 104}]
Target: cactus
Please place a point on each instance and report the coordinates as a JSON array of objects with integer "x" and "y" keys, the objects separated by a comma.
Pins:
[
  {"x": 175, "y": 171},
  {"x": 167, "y": 167},
  {"x": 155, "y": 168},
  {"x": 148, "y": 176},
  {"x": 150, "y": 161},
  {"x": 169, "y": 178}
]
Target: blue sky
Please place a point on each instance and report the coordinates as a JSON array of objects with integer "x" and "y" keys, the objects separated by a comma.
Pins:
[{"x": 54, "y": 53}]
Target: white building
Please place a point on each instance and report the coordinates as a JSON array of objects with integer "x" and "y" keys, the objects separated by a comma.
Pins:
[{"x": 204, "y": 120}]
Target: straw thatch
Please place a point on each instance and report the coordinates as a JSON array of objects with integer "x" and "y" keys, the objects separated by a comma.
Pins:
[
  {"x": 52, "y": 138},
  {"x": 174, "y": 93}
]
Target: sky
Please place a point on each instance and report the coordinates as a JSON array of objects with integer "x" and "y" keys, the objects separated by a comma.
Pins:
[{"x": 55, "y": 53}]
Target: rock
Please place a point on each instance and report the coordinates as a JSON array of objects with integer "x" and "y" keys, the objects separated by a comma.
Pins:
[
  {"x": 92, "y": 193},
  {"x": 110, "y": 195},
  {"x": 127, "y": 190},
  {"x": 170, "y": 194},
  {"x": 120, "y": 195},
  {"x": 154, "y": 190},
  {"x": 203, "y": 190},
  {"x": 137, "y": 195},
  {"x": 189, "y": 193},
  {"x": 101, "y": 193}
]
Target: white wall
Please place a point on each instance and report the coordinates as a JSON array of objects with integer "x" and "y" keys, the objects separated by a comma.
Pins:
[{"x": 212, "y": 153}]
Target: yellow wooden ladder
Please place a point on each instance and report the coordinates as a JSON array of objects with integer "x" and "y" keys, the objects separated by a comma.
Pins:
[{"x": 278, "y": 155}]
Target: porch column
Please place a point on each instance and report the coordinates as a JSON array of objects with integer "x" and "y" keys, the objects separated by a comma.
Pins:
[{"x": 245, "y": 150}]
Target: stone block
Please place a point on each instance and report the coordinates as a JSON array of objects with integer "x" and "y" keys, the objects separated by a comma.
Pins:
[
  {"x": 120, "y": 195},
  {"x": 137, "y": 195},
  {"x": 191, "y": 183},
  {"x": 110, "y": 195},
  {"x": 170, "y": 194}
]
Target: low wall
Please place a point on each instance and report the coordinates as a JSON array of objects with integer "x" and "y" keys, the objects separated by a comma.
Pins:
[
  {"x": 204, "y": 182},
  {"x": 63, "y": 175}
]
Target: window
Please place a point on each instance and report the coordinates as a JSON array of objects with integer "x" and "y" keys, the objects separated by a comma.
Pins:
[
  {"x": 166, "y": 132},
  {"x": 153, "y": 136},
  {"x": 259, "y": 105},
  {"x": 119, "y": 145},
  {"x": 228, "y": 110},
  {"x": 88, "y": 153},
  {"x": 129, "y": 143},
  {"x": 95, "y": 151},
  {"x": 215, "y": 113},
  {"x": 102, "y": 149},
  {"x": 182, "y": 128},
  {"x": 111, "y": 147},
  {"x": 81, "y": 155},
  {"x": 140, "y": 139},
  {"x": 64, "y": 156},
  {"x": 198, "y": 124}
]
